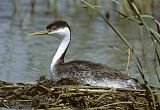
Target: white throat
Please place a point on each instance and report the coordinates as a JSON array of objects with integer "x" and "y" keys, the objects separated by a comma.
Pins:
[{"x": 65, "y": 33}]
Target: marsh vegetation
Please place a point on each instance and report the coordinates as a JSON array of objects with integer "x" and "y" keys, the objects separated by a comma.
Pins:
[{"x": 124, "y": 34}]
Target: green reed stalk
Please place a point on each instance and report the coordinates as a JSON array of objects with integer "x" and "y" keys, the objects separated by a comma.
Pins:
[{"x": 152, "y": 32}]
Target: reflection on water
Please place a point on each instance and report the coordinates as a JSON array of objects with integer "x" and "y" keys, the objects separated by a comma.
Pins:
[{"x": 24, "y": 58}]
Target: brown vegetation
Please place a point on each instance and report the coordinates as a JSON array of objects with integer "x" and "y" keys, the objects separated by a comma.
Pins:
[{"x": 69, "y": 94}]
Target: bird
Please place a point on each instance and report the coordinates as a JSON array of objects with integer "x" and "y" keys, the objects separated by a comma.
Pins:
[{"x": 92, "y": 73}]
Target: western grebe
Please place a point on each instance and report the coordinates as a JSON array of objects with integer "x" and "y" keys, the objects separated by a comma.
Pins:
[{"x": 94, "y": 74}]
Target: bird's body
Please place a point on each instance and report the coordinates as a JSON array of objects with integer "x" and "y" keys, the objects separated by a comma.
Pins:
[
  {"x": 91, "y": 73},
  {"x": 94, "y": 74}
]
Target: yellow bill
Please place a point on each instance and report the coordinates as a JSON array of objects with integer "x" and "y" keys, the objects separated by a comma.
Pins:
[{"x": 38, "y": 33}]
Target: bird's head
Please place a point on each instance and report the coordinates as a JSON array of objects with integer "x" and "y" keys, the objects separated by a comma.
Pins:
[{"x": 58, "y": 28}]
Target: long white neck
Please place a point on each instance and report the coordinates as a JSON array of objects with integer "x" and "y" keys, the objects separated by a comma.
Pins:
[{"x": 65, "y": 33}]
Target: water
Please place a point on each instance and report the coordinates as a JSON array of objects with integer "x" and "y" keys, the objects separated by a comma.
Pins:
[{"x": 24, "y": 58}]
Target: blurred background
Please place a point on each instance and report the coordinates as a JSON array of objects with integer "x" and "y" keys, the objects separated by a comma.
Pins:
[{"x": 24, "y": 58}]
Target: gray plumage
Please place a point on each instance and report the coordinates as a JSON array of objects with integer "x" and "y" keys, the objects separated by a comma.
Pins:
[{"x": 94, "y": 74}]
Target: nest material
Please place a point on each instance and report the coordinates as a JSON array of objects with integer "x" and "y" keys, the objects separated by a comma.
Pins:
[{"x": 69, "y": 94}]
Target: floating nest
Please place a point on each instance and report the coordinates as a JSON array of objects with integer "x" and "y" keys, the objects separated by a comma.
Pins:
[{"x": 70, "y": 94}]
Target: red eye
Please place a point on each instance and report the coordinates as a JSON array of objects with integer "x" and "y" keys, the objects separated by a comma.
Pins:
[{"x": 50, "y": 30}]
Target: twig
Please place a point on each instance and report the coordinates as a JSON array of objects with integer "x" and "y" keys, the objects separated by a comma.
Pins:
[
  {"x": 95, "y": 87},
  {"x": 11, "y": 87},
  {"x": 113, "y": 104},
  {"x": 128, "y": 61},
  {"x": 68, "y": 95},
  {"x": 6, "y": 106},
  {"x": 93, "y": 90}
]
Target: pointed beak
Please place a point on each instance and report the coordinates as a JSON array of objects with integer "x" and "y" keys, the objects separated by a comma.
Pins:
[{"x": 39, "y": 33}]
